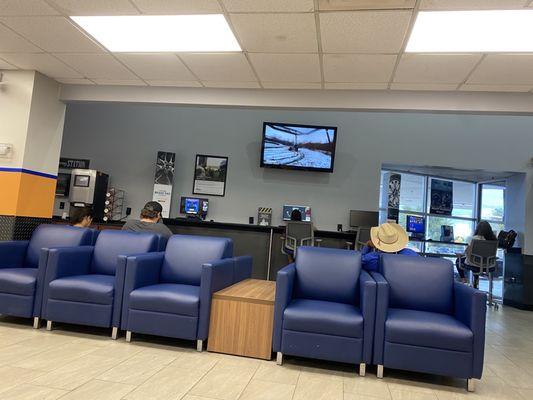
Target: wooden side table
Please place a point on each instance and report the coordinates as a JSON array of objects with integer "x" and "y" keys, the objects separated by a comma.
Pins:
[{"x": 242, "y": 318}]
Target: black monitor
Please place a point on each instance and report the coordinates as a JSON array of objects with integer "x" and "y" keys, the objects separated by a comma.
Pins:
[
  {"x": 194, "y": 206},
  {"x": 415, "y": 224},
  {"x": 364, "y": 219},
  {"x": 63, "y": 184}
]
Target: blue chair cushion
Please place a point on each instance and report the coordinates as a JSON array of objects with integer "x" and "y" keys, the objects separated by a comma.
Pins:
[
  {"x": 94, "y": 288},
  {"x": 19, "y": 281},
  {"x": 171, "y": 298},
  {"x": 427, "y": 329},
  {"x": 324, "y": 317}
]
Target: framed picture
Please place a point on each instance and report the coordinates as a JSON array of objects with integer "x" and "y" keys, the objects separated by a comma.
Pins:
[{"x": 210, "y": 175}]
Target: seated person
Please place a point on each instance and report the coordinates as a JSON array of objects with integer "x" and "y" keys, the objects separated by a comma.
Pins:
[
  {"x": 82, "y": 217},
  {"x": 296, "y": 215},
  {"x": 483, "y": 232},
  {"x": 386, "y": 238},
  {"x": 151, "y": 221}
]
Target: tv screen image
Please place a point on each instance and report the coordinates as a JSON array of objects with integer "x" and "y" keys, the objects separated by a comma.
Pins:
[
  {"x": 415, "y": 224},
  {"x": 304, "y": 210},
  {"x": 303, "y": 147},
  {"x": 192, "y": 206}
]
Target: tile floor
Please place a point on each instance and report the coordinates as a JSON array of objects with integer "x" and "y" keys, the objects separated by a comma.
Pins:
[{"x": 78, "y": 363}]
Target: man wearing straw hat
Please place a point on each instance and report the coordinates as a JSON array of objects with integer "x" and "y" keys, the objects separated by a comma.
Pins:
[{"x": 386, "y": 238}]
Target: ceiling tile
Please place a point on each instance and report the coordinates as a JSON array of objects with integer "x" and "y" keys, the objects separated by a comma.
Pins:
[
  {"x": 269, "y": 5},
  {"x": 5, "y": 65},
  {"x": 291, "y": 85},
  {"x": 435, "y": 68},
  {"x": 42, "y": 62},
  {"x": 496, "y": 88},
  {"x": 99, "y": 66},
  {"x": 75, "y": 81},
  {"x": 351, "y": 5},
  {"x": 369, "y": 68},
  {"x": 276, "y": 33},
  {"x": 424, "y": 86},
  {"x": 119, "y": 82},
  {"x": 95, "y": 7},
  {"x": 25, "y": 7},
  {"x": 165, "y": 7},
  {"x": 53, "y": 34},
  {"x": 471, "y": 4},
  {"x": 287, "y": 67},
  {"x": 364, "y": 31},
  {"x": 12, "y": 42},
  {"x": 504, "y": 69},
  {"x": 231, "y": 85},
  {"x": 219, "y": 67},
  {"x": 174, "y": 83},
  {"x": 164, "y": 67},
  {"x": 356, "y": 86}
]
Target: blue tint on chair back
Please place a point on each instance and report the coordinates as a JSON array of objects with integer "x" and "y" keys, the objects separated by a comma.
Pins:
[
  {"x": 327, "y": 274},
  {"x": 419, "y": 283},
  {"x": 46, "y": 236},
  {"x": 111, "y": 243},
  {"x": 185, "y": 255}
]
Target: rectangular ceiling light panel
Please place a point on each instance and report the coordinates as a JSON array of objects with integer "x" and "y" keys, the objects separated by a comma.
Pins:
[
  {"x": 161, "y": 33},
  {"x": 472, "y": 32}
]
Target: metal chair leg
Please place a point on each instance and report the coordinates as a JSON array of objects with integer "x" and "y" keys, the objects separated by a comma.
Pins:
[
  {"x": 471, "y": 385},
  {"x": 199, "y": 345},
  {"x": 380, "y": 372},
  {"x": 279, "y": 358},
  {"x": 128, "y": 336},
  {"x": 36, "y": 323},
  {"x": 48, "y": 325},
  {"x": 114, "y": 333},
  {"x": 362, "y": 369}
]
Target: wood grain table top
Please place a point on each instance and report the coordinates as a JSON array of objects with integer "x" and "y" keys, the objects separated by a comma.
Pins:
[{"x": 249, "y": 290}]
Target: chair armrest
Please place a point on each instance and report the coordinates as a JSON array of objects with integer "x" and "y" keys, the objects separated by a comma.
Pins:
[
  {"x": 137, "y": 271},
  {"x": 13, "y": 253},
  {"x": 367, "y": 303},
  {"x": 471, "y": 310},
  {"x": 382, "y": 305},
  {"x": 284, "y": 289},
  {"x": 216, "y": 276},
  {"x": 242, "y": 268}
]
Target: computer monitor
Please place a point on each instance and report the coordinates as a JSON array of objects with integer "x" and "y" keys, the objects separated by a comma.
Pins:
[
  {"x": 446, "y": 233},
  {"x": 304, "y": 210},
  {"x": 194, "y": 206},
  {"x": 363, "y": 219},
  {"x": 415, "y": 224}
]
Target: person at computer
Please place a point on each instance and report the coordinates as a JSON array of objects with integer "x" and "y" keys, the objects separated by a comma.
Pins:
[
  {"x": 81, "y": 217},
  {"x": 296, "y": 215},
  {"x": 483, "y": 232},
  {"x": 385, "y": 238},
  {"x": 151, "y": 221}
]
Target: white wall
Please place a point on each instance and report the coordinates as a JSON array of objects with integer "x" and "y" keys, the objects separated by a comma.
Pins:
[{"x": 123, "y": 139}]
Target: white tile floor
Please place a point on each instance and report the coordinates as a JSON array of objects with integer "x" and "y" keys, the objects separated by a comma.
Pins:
[{"x": 78, "y": 363}]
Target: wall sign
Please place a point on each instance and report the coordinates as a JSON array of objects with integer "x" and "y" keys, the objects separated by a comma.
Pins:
[
  {"x": 210, "y": 175},
  {"x": 163, "y": 180},
  {"x": 73, "y": 163},
  {"x": 393, "y": 196},
  {"x": 441, "y": 197}
]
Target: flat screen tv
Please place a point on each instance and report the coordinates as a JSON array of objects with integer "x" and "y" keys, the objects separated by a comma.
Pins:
[{"x": 304, "y": 147}]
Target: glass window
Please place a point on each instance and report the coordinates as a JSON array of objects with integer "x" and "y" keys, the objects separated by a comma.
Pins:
[
  {"x": 492, "y": 203},
  {"x": 411, "y": 191},
  {"x": 462, "y": 229},
  {"x": 464, "y": 199}
]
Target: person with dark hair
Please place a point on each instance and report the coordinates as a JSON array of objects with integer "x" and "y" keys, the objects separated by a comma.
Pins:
[
  {"x": 82, "y": 217},
  {"x": 296, "y": 215},
  {"x": 483, "y": 232},
  {"x": 151, "y": 221}
]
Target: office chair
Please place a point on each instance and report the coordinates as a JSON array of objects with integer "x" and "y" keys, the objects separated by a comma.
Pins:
[
  {"x": 362, "y": 236},
  {"x": 297, "y": 234},
  {"x": 481, "y": 261}
]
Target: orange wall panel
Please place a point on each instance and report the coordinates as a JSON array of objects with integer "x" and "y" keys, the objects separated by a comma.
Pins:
[{"x": 9, "y": 192}]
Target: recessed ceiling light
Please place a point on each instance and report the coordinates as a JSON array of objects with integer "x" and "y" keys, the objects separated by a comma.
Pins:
[
  {"x": 472, "y": 31},
  {"x": 161, "y": 33}
]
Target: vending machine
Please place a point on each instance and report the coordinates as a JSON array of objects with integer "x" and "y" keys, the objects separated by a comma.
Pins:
[{"x": 88, "y": 188}]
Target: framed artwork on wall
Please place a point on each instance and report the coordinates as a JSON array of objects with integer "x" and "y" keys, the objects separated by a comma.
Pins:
[{"x": 210, "y": 174}]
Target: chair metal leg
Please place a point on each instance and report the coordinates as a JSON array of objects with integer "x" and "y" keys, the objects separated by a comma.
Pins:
[
  {"x": 36, "y": 323},
  {"x": 380, "y": 372},
  {"x": 114, "y": 333},
  {"x": 128, "y": 336},
  {"x": 199, "y": 345},
  {"x": 48, "y": 325},
  {"x": 279, "y": 358},
  {"x": 362, "y": 369},
  {"x": 471, "y": 385}
]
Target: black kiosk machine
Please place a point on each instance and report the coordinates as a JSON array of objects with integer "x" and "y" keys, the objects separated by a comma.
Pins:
[{"x": 88, "y": 188}]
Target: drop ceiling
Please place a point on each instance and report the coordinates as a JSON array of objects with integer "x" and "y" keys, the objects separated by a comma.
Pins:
[{"x": 287, "y": 44}]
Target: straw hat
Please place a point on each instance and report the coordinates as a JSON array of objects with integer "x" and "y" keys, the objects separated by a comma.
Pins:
[{"x": 389, "y": 237}]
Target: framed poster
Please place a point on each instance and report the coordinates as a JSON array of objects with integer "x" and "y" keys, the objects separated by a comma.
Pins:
[
  {"x": 210, "y": 175},
  {"x": 441, "y": 197},
  {"x": 164, "y": 180}
]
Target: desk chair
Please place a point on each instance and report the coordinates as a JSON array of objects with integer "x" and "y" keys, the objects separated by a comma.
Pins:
[
  {"x": 481, "y": 261},
  {"x": 362, "y": 237},
  {"x": 297, "y": 234}
]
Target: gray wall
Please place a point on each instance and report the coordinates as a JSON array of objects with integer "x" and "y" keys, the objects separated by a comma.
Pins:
[{"x": 123, "y": 139}]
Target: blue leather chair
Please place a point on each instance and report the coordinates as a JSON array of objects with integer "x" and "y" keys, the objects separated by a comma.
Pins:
[
  {"x": 23, "y": 265},
  {"x": 169, "y": 293},
  {"x": 84, "y": 285},
  {"x": 324, "y": 307},
  {"x": 426, "y": 322}
]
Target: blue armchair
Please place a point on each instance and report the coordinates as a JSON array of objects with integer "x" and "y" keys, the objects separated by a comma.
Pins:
[
  {"x": 23, "y": 265},
  {"x": 84, "y": 285},
  {"x": 169, "y": 293},
  {"x": 325, "y": 307},
  {"x": 426, "y": 322}
]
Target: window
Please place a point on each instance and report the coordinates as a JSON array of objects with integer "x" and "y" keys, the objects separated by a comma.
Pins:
[
  {"x": 492, "y": 205},
  {"x": 411, "y": 191}
]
